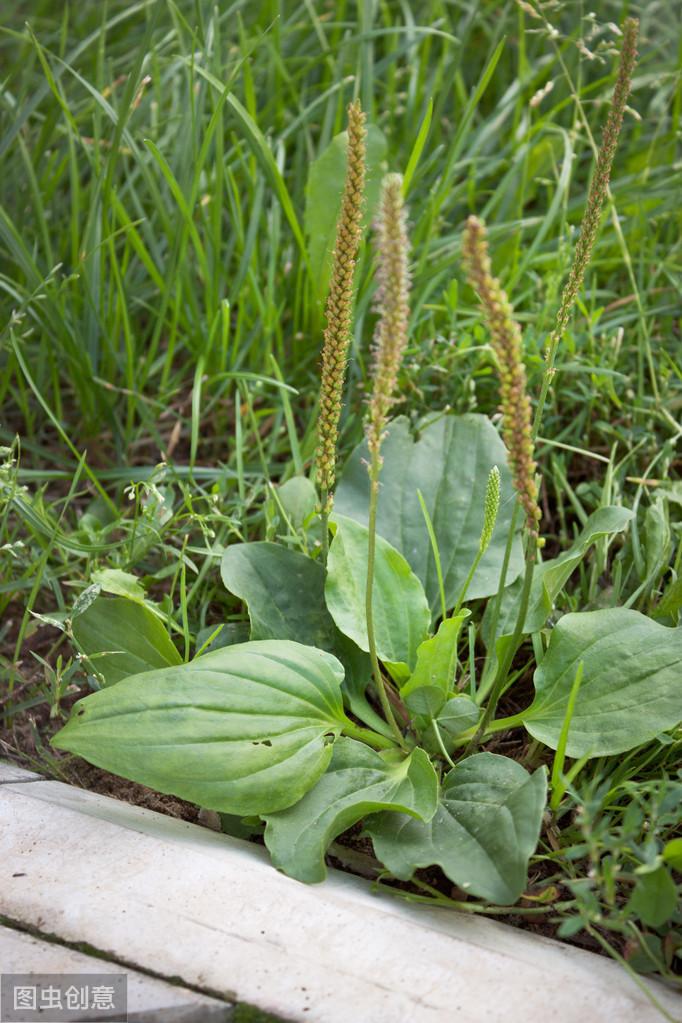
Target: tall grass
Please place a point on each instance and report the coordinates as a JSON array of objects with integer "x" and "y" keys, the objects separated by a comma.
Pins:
[{"x": 157, "y": 296}]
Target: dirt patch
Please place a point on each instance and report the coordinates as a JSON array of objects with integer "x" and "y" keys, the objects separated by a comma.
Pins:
[
  {"x": 25, "y": 742},
  {"x": 85, "y": 776}
]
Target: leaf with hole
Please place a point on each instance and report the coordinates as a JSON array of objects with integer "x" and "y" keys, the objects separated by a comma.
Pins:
[
  {"x": 357, "y": 782},
  {"x": 482, "y": 835},
  {"x": 243, "y": 730}
]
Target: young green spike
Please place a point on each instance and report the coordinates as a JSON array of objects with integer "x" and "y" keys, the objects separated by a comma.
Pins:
[{"x": 491, "y": 507}]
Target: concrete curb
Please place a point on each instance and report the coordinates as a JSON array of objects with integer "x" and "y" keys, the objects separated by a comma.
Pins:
[
  {"x": 185, "y": 902},
  {"x": 149, "y": 1000}
]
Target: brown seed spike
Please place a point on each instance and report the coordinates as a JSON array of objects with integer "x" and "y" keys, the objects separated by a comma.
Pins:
[
  {"x": 390, "y": 339},
  {"x": 506, "y": 341},
  {"x": 339, "y": 308},
  {"x": 599, "y": 186}
]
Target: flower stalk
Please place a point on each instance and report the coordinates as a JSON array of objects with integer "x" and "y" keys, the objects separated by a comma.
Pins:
[
  {"x": 390, "y": 341},
  {"x": 339, "y": 309},
  {"x": 516, "y": 430},
  {"x": 506, "y": 341},
  {"x": 491, "y": 507},
  {"x": 597, "y": 194}
]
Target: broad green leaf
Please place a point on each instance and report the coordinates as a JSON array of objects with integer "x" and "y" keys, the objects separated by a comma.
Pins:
[
  {"x": 357, "y": 782},
  {"x": 654, "y": 898},
  {"x": 671, "y": 602},
  {"x": 122, "y": 584},
  {"x": 243, "y": 730},
  {"x": 434, "y": 677},
  {"x": 323, "y": 199},
  {"x": 298, "y": 498},
  {"x": 241, "y": 827},
  {"x": 550, "y": 577},
  {"x": 630, "y": 689},
  {"x": 401, "y": 612},
  {"x": 284, "y": 592},
  {"x": 449, "y": 464},
  {"x": 424, "y": 703},
  {"x": 658, "y": 541},
  {"x": 482, "y": 835},
  {"x": 458, "y": 715},
  {"x": 123, "y": 638},
  {"x": 672, "y": 853}
]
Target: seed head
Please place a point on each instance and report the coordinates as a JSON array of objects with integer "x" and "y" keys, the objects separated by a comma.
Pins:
[
  {"x": 339, "y": 306},
  {"x": 390, "y": 338},
  {"x": 506, "y": 341},
  {"x": 599, "y": 186}
]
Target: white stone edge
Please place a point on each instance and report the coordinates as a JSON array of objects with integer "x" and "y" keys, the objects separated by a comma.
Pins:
[{"x": 504, "y": 954}]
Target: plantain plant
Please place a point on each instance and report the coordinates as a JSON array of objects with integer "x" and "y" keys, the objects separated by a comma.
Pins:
[{"x": 356, "y": 696}]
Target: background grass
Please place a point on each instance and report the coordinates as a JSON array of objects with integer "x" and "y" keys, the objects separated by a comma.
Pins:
[{"x": 159, "y": 330}]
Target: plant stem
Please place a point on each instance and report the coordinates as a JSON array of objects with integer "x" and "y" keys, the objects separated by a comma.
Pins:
[
  {"x": 588, "y": 232},
  {"x": 491, "y": 508},
  {"x": 371, "y": 555},
  {"x": 436, "y": 553},
  {"x": 339, "y": 306},
  {"x": 610, "y": 950},
  {"x": 324, "y": 519},
  {"x": 484, "y": 687},
  {"x": 467, "y": 583},
  {"x": 505, "y": 664},
  {"x": 439, "y": 740},
  {"x": 500, "y": 725},
  {"x": 597, "y": 194},
  {"x": 476, "y": 907},
  {"x": 504, "y": 724},
  {"x": 367, "y": 736}
]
